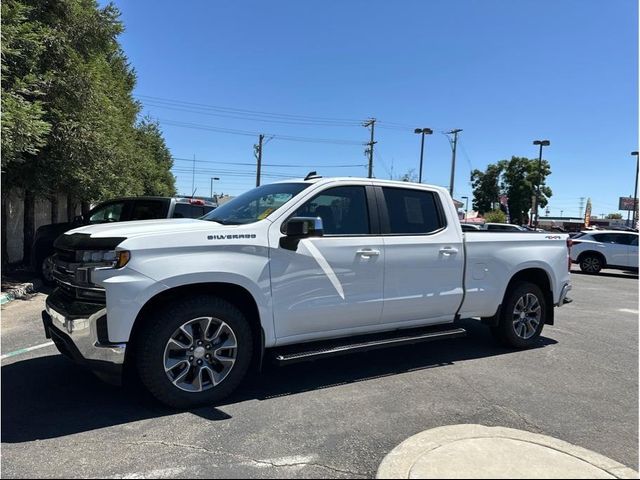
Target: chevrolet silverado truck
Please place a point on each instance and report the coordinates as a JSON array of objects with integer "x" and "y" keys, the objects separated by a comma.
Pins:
[{"x": 292, "y": 271}]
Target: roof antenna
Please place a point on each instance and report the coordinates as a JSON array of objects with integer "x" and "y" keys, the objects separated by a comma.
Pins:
[{"x": 312, "y": 175}]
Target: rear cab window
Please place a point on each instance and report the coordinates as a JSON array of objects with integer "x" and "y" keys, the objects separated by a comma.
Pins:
[
  {"x": 149, "y": 209},
  {"x": 413, "y": 212},
  {"x": 186, "y": 210}
]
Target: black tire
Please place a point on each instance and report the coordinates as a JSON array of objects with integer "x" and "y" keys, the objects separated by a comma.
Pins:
[
  {"x": 159, "y": 328},
  {"x": 591, "y": 263},
  {"x": 44, "y": 267},
  {"x": 506, "y": 331}
]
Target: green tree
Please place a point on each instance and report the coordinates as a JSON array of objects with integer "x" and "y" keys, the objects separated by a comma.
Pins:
[
  {"x": 517, "y": 179},
  {"x": 70, "y": 123},
  {"x": 614, "y": 216},
  {"x": 408, "y": 176},
  {"x": 519, "y": 183},
  {"x": 486, "y": 190},
  {"x": 155, "y": 158},
  {"x": 495, "y": 216}
]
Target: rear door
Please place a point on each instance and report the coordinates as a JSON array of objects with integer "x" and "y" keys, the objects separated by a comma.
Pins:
[
  {"x": 424, "y": 257},
  {"x": 612, "y": 246},
  {"x": 629, "y": 241}
]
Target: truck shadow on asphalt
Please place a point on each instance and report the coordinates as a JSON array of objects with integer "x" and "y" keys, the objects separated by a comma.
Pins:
[{"x": 49, "y": 397}]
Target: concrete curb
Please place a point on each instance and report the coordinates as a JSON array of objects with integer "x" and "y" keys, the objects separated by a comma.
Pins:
[
  {"x": 19, "y": 292},
  {"x": 476, "y": 451}
]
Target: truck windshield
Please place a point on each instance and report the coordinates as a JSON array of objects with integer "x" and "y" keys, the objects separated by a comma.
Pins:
[{"x": 255, "y": 204}]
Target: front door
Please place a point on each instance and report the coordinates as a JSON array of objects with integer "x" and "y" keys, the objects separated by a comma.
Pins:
[{"x": 331, "y": 284}]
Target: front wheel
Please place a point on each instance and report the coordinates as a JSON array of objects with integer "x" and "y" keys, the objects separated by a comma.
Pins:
[
  {"x": 45, "y": 265},
  {"x": 195, "y": 352},
  {"x": 522, "y": 316}
]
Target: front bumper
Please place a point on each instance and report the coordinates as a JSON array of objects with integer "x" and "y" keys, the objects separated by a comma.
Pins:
[{"x": 75, "y": 328}]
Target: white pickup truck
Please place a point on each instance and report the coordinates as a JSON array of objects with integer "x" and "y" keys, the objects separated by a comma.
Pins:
[{"x": 297, "y": 270}]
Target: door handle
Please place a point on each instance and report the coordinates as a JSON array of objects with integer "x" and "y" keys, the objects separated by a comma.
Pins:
[
  {"x": 448, "y": 250},
  {"x": 368, "y": 252}
]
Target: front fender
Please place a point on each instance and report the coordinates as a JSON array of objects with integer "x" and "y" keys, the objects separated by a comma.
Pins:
[{"x": 245, "y": 266}]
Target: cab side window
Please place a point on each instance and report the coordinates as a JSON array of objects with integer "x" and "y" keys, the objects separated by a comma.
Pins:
[
  {"x": 412, "y": 212},
  {"x": 343, "y": 210}
]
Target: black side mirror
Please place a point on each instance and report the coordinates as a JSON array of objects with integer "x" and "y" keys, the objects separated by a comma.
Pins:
[
  {"x": 78, "y": 220},
  {"x": 298, "y": 228},
  {"x": 303, "y": 227}
]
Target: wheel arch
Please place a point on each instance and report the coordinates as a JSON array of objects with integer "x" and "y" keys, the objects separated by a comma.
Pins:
[
  {"x": 593, "y": 253},
  {"x": 235, "y": 294},
  {"x": 536, "y": 275}
]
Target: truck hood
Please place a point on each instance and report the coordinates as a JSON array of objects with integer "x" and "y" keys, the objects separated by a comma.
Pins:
[{"x": 148, "y": 227}]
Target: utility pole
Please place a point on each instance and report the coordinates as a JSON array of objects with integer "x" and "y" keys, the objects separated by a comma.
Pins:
[
  {"x": 581, "y": 214},
  {"x": 370, "y": 123},
  {"x": 454, "y": 144},
  {"x": 193, "y": 177},
  {"x": 258, "y": 154}
]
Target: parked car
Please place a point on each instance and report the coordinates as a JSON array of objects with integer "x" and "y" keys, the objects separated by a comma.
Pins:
[
  {"x": 594, "y": 250},
  {"x": 191, "y": 305},
  {"x": 503, "y": 227},
  {"x": 469, "y": 227},
  {"x": 116, "y": 210}
]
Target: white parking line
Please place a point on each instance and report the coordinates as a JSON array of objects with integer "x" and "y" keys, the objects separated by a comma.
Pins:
[
  {"x": 628, "y": 310},
  {"x": 25, "y": 350}
]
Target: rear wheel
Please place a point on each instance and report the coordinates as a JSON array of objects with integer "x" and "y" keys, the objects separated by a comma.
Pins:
[
  {"x": 195, "y": 352},
  {"x": 591, "y": 263},
  {"x": 522, "y": 316}
]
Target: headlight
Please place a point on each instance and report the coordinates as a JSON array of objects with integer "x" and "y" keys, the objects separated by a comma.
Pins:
[
  {"x": 122, "y": 258},
  {"x": 98, "y": 256},
  {"x": 112, "y": 258}
]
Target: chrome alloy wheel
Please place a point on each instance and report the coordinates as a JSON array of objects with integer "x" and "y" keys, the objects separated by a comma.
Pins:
[
  {"x": 200, "y": 354},
  {"x": 527, "y": 315}
]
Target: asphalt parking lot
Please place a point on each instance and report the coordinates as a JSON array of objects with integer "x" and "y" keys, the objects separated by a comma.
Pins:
[{"x": 333, "y": 418}]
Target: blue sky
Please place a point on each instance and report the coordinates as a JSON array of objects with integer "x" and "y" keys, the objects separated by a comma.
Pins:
[{"x": 506, "y": 72}]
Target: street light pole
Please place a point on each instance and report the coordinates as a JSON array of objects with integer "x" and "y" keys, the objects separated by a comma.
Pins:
[
  {"x": 542, "y": 143},
  {"x": 635, "y": 191},
  {"x": 423, "y": 131},
  {"x": 466, "y": 208},
  {"x": 212, "y": 179}
]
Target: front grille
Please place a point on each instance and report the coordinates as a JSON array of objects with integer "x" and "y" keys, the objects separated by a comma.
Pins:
[
  {"x": 73, "y": 280},
  {"x": 65, "y": 255}
]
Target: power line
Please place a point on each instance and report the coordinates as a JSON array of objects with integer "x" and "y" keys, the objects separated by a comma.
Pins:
[
  {"x": 246, "y": 112},
  {"x": 256, "y": 115},
  {"x": 198, "y": 126},
  {"x": 216, "y": 162}
]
